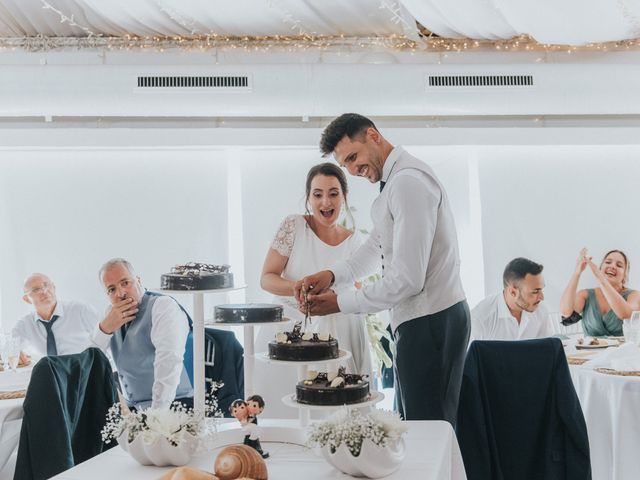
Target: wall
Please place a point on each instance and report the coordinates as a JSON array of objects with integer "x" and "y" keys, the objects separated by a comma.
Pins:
[{"x": 65, "y": 211}]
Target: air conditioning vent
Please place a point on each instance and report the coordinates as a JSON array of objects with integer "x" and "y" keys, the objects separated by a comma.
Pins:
[
  {"x": 240, "y": 82},
  {"x": 475, "y": 81}
]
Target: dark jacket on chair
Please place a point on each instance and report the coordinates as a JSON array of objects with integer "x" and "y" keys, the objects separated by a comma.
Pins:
[
  {"x": 64, "y": 410},
  {"x": 519, "y": 417},
  {"x": 228, "y": 367}
]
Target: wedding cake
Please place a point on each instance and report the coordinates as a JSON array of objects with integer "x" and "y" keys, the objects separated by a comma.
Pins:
[
  {"x": 298, "y": 346},
  {"x": 197, "y": 276},
  {"x": 332, "y": 388},
  {"x": 248, "y": 313}
]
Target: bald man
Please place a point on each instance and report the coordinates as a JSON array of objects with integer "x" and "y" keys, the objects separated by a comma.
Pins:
[{"x": 53, "y": 327}]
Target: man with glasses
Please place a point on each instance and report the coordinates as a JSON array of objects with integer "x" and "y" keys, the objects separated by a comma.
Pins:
[
  {"x": 516, "y": 313},
  {"x": 146, "y": 333},
  {"x": 54, "y": 327}
]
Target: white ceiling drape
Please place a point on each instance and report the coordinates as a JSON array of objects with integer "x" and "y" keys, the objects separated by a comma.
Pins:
[
  {"x": 572, "y": 22},
  {"x": 205, "y": 17}
]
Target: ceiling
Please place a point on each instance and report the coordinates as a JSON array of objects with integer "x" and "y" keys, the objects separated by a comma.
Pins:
[{"x": 567, "y": 22}]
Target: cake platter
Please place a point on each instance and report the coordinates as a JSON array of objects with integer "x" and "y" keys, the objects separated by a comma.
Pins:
[
  {"x": 210, "y": 322},
  {"x": 290, "y": 401},
  {"x": 343, "y": 356}
]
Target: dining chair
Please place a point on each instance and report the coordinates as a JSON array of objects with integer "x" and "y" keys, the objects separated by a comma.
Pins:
[
  {"x": 519, "y": 416},
  {"x": 224, "y": 363},
  {"x": 65, "y": 409}
]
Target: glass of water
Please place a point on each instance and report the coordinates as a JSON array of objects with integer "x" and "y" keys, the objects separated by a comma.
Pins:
[{"x": 631, "y": 329}]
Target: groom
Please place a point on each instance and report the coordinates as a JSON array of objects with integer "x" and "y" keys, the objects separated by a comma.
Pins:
[{"x": 414, "y": 234}]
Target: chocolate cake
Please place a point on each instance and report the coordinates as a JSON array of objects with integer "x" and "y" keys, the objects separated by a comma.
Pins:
[
  {"x": 296, "y": 346},
  {"x": 333, "y": 388},
  {"x": 248, "y": 313},
  {"x": 197, "y": 276}
]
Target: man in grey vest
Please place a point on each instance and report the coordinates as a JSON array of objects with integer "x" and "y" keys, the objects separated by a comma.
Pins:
[
  {"x": 146, "y": 334},
  {"x": 415, "y": 237}
]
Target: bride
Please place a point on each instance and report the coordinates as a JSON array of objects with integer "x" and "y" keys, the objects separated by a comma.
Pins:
[{"x": 305, "y": 244}]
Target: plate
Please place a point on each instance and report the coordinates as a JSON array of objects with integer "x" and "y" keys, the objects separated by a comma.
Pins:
[{"x": 603, "y": 344}]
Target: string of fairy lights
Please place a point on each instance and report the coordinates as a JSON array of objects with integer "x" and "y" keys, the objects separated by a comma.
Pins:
[{"x": 41, "y": 43}]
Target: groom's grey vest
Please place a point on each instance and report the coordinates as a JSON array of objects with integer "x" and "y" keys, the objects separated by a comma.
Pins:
[{"x": 134, "y": 355}]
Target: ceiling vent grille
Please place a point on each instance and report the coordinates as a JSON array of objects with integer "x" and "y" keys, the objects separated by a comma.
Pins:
[
  {"x": 474, "y": 81},
  {"x": 239, "y": 82}
]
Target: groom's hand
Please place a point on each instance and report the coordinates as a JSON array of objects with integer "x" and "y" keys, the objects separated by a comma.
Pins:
[
  {"x": 316, "y": 283},
  {"x": 324, "y": 303}
]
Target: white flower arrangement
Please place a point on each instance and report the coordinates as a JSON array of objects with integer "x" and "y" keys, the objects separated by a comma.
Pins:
[
  {"x": 352, "y": 427},
  {"x": 174, "y": 423}
]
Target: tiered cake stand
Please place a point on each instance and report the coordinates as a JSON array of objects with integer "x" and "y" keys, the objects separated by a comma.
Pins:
[
  {"x": 198, "y": 337},
  {"x": 304, "y": 410}
]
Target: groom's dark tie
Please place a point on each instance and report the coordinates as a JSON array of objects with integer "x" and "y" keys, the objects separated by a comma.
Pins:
[
  {"x": 382, "y": 184},
  {"x": 51, "y": 339}
]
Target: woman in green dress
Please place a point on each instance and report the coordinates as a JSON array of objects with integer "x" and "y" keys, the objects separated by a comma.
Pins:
[{"x": 604, "y": 308}]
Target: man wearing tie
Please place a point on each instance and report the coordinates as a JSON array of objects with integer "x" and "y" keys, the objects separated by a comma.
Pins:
[
  {"x": 54, "y": 327},
  {"x": 415, "y": 237},
  {"x": 146, "y": 334}
]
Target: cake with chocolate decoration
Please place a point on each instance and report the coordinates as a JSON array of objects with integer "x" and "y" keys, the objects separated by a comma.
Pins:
[
  {"x": 299, "y": 346},
  {"x": 332, "y": 388},
  {"x": 248, "y": 313},
  {"x": 197, "y": 276}
]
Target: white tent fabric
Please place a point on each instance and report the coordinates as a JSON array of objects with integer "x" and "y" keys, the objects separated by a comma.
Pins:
[
  {"x": 204, "y": 17},
  {"x": 573, "y": 22}
]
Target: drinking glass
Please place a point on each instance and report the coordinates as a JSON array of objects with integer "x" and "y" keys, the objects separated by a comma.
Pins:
[
  {"x": 9, "y": 351},
  {"x": 631, "y": 329}
]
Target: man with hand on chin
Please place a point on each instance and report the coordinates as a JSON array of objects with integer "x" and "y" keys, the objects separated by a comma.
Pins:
[
  {"x": 415, "y": 237},
  {"x": 146, "y": 333}
]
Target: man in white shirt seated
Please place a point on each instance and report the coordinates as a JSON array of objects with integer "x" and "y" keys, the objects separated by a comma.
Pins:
[
  {"x": 54, "y": 327},
  {"x": 517, "y": 313},
  {"x": 146, "y": 334}
]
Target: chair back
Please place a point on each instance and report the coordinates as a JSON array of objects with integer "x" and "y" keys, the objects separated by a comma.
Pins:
[
  {"x": 65, "y": 409},
  {"x": 519, "y": 415}
]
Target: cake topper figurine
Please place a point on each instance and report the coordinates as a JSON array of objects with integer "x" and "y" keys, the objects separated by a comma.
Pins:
[{"x": 246, "y": 412}]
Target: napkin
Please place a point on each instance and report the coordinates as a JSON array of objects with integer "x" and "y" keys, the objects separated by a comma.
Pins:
[{"x": 623, "y": 359}]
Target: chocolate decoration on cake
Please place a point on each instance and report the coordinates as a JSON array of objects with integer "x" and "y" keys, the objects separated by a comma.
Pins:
[
  {"x": 248, "y": 313},
  {"x": 197, "y": 276},
  {"x": 296, "y": 346},
  {"x": 332, "y": 388}
]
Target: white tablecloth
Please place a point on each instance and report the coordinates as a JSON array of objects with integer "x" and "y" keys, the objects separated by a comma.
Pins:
[
  {"x": 11, "y": 411},
  {"x": 611, "y": 407},
  {"x": 431, "y": 446}
]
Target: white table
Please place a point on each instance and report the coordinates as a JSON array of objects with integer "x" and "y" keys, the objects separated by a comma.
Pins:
[
  {"x": 431, "y": 446},
  {"x": 11, "y": 411},
  {"x": 611, "y": 407}
]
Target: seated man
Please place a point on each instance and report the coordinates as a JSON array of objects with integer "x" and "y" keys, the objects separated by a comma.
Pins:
[
  {"x": 146, "y": 333},
  {"x": 517, "y": 312},
  {"x": 54, "y": 327}
]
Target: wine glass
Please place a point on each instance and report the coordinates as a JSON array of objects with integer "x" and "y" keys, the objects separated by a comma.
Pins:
[
  {"x": 631, "y": 329},
  {"x": 11, "y": 350}
]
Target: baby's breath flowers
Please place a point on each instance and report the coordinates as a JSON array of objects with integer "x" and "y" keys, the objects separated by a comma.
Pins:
[
  {"x": 173, "y": 423},
  {"x": 351, "y": 428}
]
